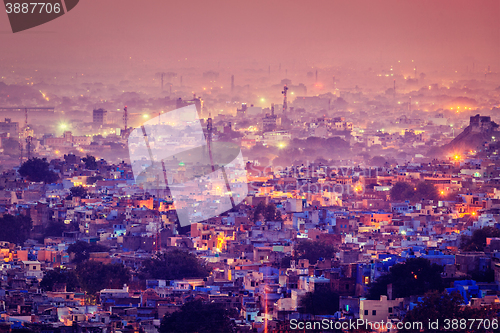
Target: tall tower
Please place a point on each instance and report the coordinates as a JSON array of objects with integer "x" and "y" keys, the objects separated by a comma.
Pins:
[
  {"x": 232, "y": 83},
  {"x": 125, "y": 118},
  {"x": 27, "y": 135},
  {"x": 409, "y": 105},
  {"x": 285, "y": 106},
  {"x": 316, "y": 76},
  {"x": 272, "y": 109},
  {"x": 394, "y": 90},
  {"x": 209, "y": 140}
]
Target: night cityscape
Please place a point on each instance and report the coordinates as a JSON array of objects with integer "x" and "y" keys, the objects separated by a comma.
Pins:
[{"x": 250, "y": 166}]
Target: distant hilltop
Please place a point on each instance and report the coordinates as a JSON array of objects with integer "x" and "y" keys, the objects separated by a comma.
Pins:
[{"x": 481, "y": 129}]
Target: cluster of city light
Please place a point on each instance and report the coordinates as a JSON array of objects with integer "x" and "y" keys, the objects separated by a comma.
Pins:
[{"x": 44, "y": 96}]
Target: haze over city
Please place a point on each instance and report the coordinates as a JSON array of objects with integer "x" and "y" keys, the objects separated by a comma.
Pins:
[{"x": 269, "y": 165}]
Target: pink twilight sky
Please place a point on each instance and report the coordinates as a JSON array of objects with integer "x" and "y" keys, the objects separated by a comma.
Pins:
[{"x": 317, "y": 32}]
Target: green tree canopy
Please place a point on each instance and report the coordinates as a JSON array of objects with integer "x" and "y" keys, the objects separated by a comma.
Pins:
[
  {"x": 59, "y": 275},
  {"x": 266, "y": 213},
  {"x": 477, "y": 241},
  {"x": 15, "y": 229},
  {"x": 95, "y": 276},
  {"x": 90, "y": 162},
  {"x": 320, "y": 302},
  {"x": 401, "y": 191},
  {"x": 442, "y": 306},
  {"x": 198, "y": 317},
  {"x": 82, "y": 250},
  {"x": 173, "y": 265},
  {"x": 77, "y": 191},
  {"x": 37, "y": 170},
  {"x": 416, "y": 276},
  {"x": 425, "y": 191},
  {"x": 313, "y": 250},
  {"x": 405, "y": 191}
]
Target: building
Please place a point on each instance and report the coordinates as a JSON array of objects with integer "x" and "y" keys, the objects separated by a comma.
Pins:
[
  {"x": 9, "y": 127},
  {"x": 376, "y": 311},
  {"x": 99, "y": 116}
]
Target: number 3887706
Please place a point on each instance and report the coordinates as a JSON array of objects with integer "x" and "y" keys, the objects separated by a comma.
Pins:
[{"x": 32, "y": 8}]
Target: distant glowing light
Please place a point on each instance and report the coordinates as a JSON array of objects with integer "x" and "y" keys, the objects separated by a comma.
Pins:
[
  {"x": 456, "y": 157},
  {"x": 442, "y": 192},
  {"x": 281, "y": 145},
  {"x": 57, "y": 151},
  {"x": 145, "y": 116},
  {"x": 262, "y": 99},
  {"x": 63, "y": 126}
]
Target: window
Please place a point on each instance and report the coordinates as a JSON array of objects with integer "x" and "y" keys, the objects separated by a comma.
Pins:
[
  {"x": 366, "y": 312},
  {"x": 390, "y": 310},
  {"x": 347, "y": 286},
  {"x": 374, "y": 312}
]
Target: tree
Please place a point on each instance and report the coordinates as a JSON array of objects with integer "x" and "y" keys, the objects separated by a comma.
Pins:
[
  {"x": 401, "y": 191},
  {"x": 82, "y": 250},
  {"x": 320, "y": 302},
  {"x": 95, "y": 276},
  {"x": 314, "y": 250},
  {"x": 442, "y": 306},
  {"x": 266, "y": 212},
  {"x": 198, "y": 317},
  {"x": 477, "y": 241},
  {"x": 59, "y": 275},
  {"x": 173, "y": 265},
  {"x": 15, "y": 229},
  {"x": 77, "y": 191},
  {"x": 405, "y": 191},
  {"x": 55, "y": 229},
  {"x": 90, "y": 162},
  {"x": 258, "y": 213},
  {"x": 37, "y": 170},
  {"x": 425, "y": 191},
  {"x": 416, "y": 276}
]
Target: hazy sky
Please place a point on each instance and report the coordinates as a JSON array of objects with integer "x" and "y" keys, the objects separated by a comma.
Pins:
[{"x": 315, "y": 32}]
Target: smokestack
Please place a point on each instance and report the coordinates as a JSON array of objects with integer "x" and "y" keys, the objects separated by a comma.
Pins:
[
  {"x": 232, "y": 83},
  {"x": 394, "y": 88},
  {"x": 272, "y": 109},
  {"x": 409, "y": 105},
  {"x": 316, "y": 76}
]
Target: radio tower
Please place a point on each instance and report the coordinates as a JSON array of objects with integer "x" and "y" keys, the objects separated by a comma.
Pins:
[
  {"x": 285, "y": 106},
  {"x": 209, "y": 140},
  {"x": 125, "y": 119}
]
